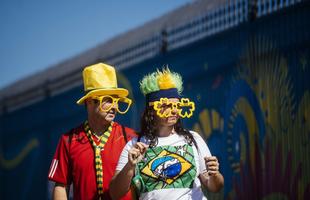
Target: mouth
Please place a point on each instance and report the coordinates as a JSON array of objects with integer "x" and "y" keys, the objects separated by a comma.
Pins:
[
  {"x": 111, "y": 113},
  {"x": 172, "y": 118}
]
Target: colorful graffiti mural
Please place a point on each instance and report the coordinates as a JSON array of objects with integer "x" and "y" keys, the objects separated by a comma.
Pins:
[
  {"x": 265, "y": 126},
  {"x": 251, "y": 88}
]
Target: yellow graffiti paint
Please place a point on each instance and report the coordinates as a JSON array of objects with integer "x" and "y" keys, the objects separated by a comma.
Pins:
[{"x": 12, "y": 163}]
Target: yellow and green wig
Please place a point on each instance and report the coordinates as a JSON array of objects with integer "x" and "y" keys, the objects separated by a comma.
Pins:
[{"x": 161, "y": 84}]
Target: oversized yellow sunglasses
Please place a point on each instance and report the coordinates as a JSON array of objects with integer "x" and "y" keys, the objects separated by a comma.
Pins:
[
  {"x": 107, "y": 102},
  {"x": 164, "y": 107}
]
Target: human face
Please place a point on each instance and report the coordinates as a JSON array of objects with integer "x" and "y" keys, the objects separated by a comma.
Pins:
[
  {"x": 99, "y": 109},
  {"x": 173, "y": 116},
  {"x": 184, "y": 107}
]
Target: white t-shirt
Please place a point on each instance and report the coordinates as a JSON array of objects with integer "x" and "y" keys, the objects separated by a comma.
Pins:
[{"x": 171, "y": 169}]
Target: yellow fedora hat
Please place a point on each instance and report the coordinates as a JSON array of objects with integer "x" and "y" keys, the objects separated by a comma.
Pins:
[{"x": 100, "y": 79}]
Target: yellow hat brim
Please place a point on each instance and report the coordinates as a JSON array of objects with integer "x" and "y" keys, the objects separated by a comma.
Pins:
[{"x": 121, "y": 92}]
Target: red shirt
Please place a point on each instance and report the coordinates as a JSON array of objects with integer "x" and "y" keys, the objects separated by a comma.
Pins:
[{"x": 74, "y": 162}]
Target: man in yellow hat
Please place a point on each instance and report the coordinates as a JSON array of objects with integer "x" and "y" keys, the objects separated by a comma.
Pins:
[{"x": 87, "y": 155}]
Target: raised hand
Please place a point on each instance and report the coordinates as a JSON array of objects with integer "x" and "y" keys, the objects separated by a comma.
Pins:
[{"x": 136, "y": 153}]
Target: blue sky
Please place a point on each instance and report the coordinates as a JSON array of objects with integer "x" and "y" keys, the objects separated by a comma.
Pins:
[{"x": 36, "y": 34}]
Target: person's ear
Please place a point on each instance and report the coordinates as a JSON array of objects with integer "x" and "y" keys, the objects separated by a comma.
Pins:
[{"x": 88, "y": 102}]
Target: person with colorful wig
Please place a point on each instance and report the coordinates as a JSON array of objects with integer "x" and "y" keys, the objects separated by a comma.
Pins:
[
  {"x": 86, "y": 156},
  {"x": 166, "y": 161}
]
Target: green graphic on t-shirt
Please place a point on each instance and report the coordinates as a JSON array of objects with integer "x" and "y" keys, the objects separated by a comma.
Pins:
[{"x": 168, "y": 167}]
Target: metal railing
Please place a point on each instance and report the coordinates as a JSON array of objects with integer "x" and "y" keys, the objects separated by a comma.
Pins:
[
  {"x": 227, "y": 16},
  {"x": 213, "y": 22}
]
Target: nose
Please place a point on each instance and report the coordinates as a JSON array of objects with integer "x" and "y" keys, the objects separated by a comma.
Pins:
[
  {"x": 115, "y": 105},
  {"x": 174, "y": 110}
]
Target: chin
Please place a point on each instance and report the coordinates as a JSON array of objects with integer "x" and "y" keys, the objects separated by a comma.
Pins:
[{"x": 110, "y": 119}]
